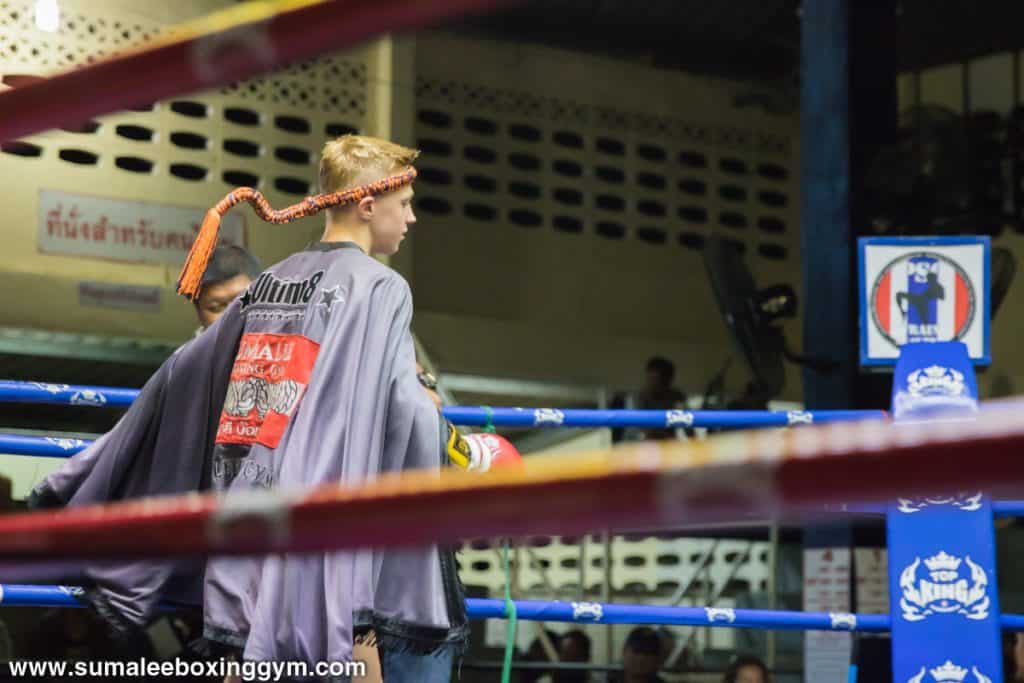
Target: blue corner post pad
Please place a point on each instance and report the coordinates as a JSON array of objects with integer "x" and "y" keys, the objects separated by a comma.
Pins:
[
  {"x": 934, "y": 379},
  {"x": 942, "y": 560}
]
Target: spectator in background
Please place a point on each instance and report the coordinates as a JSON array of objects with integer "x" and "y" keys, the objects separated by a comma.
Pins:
[
  {"x": 537, "y": 653},
  {"x": 668, "y": 647},
  {"x": 573, "y": 648},
  {"x": 642, "y": 656},
  {"x": 1018, "y": 658},
  {"x": 656, "y": 394},
  {"x": 230, "y": 271},
  {"x": 747, "y": 669},
  {"x": 754, "y": 397},
  {"x": 67, "y": 634},
  {"x": 1013, "y": 657}
]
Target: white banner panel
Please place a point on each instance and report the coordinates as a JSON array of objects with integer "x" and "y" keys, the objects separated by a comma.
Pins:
[
  {"x": 827, "y": 589},
  {"x": 124, "y": 230}
]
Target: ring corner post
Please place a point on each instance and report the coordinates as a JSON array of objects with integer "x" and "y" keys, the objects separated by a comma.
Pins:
[{"x": 942, "y": 573}]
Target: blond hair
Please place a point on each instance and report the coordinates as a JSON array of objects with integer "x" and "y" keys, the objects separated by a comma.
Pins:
[{"x": 344, "y": 160}]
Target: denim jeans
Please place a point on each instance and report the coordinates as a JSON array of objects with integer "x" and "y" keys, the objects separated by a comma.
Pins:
[{"x": 402, "y": 667}]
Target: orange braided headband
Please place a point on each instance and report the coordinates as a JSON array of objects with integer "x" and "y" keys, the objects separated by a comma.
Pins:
[{"x": 199, "y": 255}]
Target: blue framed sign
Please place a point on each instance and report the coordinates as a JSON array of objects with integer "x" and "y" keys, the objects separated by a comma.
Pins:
[{"x": 922, "y": 289}]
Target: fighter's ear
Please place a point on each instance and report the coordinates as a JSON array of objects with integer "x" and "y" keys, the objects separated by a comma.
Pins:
[{"x": 366, "y": 207}]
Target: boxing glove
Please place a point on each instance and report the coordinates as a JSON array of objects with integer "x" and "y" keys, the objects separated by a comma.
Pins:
[{"x": 481, "y": 452}]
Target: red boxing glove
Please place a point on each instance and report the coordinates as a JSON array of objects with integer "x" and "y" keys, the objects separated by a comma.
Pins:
[{"x": 490, "y": 451}]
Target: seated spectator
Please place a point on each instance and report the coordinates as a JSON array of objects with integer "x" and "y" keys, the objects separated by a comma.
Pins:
[
  {"x": 537, "y": 653},
  {"x": 668, "y": 645},
  {"x": 68, "y": 634},
  {"x": 1013, "y": 657},
  {"x": 656, "y": 394},
  {"x": 747, "y": 669},
  {"x": 573, "y": 647},
  {"x": 642, "y": 656},
  {"x": 754, "y": 397}
]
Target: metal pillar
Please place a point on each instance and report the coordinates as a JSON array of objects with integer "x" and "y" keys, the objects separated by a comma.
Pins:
[
  {"x": 826, "y": 235},
  {"x": 848, "y": 109}
]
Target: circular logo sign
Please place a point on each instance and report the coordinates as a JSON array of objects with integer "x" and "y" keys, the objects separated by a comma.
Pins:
[{"x": 922, "y": 296}]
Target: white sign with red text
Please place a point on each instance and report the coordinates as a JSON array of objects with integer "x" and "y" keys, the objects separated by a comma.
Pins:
[
  {"x": 124, "y": 230},
  {"x": 872, "y": 572},
  {"x": 827, "y": 589}
]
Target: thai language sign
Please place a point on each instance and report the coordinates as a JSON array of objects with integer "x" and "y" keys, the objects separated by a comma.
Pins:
[
  {"x": 123, "y": 297},
  {"x": 827, "y": 589},
  {"x": 123, "y": 230}
]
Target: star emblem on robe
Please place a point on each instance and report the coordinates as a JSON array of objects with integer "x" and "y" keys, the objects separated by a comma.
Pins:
[{"x": 328, "y": 297}]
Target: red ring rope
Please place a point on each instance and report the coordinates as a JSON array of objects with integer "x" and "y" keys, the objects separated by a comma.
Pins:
[
  {"x": 210, "y": 58},
  {"x": 726, "y": 478}
]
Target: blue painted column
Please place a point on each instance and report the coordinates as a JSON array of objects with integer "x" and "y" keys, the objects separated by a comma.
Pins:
[
  {"x": 826, "y": 237},
  {"x": 942, "y": 572},
  {"x": 848, "y": 111},
  {"x": 848, "y": 107}
]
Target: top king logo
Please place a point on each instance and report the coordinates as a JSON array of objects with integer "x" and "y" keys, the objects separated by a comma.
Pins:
[
  {"x": 945, "y": 590},
  {"x": 88, "y": 397},
  {"x": 936, "y": 380},
  {"x": 961, "y": 501},
  {"x": 582, "y": 611},
  {"x": 676, "y": 418},
  {"x": 549, "y": 416},
  {"x": 922, "y": 297},
  {"x": 725, "y": 615},
  {"x": 950, "y": 673}
]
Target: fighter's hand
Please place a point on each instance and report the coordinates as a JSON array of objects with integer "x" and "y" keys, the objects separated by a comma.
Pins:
[
  {"x": 481, "y": 452},
  {"x": 429, "y": 384}
]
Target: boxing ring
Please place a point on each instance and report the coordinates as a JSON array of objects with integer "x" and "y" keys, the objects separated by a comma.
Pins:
[
  {"x": 925, "y": 474},
  {"x": 721, "y": 479}
]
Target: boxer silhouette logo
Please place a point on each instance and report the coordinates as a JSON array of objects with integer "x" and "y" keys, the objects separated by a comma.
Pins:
[
  {"x": 919, "y": 303},
  {"x": 922, "y": 297}
]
